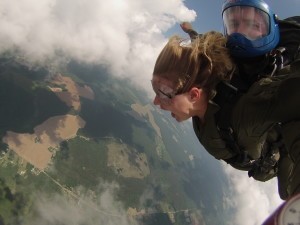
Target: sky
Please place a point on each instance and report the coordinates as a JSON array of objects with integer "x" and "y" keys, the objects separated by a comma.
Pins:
[
  {"x": 209, "y": 14},
  {"x": 125, "y": 36}
]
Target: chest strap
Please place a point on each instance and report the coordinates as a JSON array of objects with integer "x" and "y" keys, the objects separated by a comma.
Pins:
[{"x": 226, "y": 98}]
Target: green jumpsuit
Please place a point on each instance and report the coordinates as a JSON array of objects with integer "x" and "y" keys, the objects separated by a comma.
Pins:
[{"x": 268, "y": 101}]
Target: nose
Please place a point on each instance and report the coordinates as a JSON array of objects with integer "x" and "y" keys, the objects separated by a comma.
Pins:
[{"x": 240, "y": 29}]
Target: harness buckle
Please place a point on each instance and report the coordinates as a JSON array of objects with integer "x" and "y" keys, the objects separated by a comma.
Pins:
[{"x": 278, "y": 60}]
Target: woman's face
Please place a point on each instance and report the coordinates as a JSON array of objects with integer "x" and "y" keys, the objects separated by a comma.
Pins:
[{"x": 181, "y": 106}]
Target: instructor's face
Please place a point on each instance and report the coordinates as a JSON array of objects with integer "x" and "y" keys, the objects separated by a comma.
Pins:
[{"x": 251, "y": 22}]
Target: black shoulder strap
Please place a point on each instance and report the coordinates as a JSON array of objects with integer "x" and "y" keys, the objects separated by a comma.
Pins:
[
  {"x": 226, "y": 97},
  {"x": 290, "y": 36},
  {"x": 295, "y": 19}
]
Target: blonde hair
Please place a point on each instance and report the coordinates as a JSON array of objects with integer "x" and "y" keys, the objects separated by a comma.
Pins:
[{"x": 202, "y": 63}]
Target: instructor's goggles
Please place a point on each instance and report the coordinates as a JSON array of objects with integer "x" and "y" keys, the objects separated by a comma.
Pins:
[{"x": 249, "y": 21}]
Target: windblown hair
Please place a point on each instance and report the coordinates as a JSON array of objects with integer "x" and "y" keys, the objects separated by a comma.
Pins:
[{"x": 202, "y": 63}]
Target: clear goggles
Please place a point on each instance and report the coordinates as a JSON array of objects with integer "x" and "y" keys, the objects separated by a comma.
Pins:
[
  {"x": 251, "y": 22},
  {"x": 164, "y": 93}
]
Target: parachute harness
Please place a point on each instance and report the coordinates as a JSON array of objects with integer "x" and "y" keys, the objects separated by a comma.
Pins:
[{"x": 277, "y": 59}]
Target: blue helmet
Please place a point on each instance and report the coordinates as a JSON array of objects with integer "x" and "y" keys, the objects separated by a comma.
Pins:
[{"x": 251, "y": 27}]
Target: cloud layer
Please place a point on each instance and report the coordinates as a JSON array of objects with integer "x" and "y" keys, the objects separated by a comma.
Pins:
[
  {"x": 253, "y": 200},
  {"x": 123, "y": 35},
  {"x": 86, "y": 209}
]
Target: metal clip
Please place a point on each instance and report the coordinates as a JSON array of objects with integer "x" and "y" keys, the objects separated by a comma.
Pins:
[{"x": 278, "y": 59}]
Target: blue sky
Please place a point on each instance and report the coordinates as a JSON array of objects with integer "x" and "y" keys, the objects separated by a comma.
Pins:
[{"x": 209, "y": 12}]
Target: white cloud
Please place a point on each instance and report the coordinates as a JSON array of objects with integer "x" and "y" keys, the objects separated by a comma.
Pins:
[
  {"x": 124, "y": 35},
  {"x": 254, "y": 201},
  {"x": 87, "y": 209}
]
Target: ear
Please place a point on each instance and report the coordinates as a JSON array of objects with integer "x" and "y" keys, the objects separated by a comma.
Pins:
[{"x": 195, "y": 93}]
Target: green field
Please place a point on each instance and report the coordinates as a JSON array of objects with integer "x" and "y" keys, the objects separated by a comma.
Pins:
[{"x": 79, "y": 174}]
